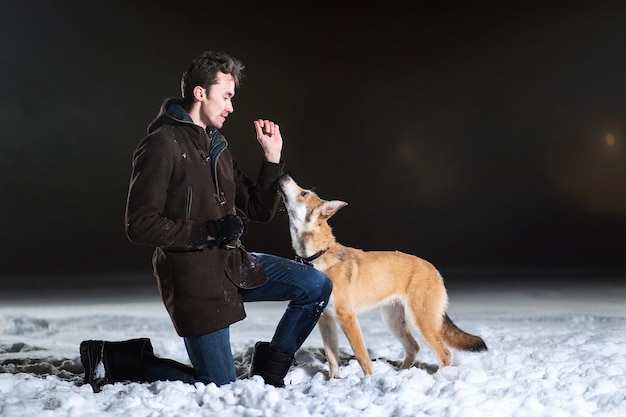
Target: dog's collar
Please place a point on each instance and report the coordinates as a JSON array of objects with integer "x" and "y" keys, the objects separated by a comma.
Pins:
[{"x": 309, "y": 261}]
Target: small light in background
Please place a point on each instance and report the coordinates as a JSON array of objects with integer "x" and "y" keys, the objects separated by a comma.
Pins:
[{"x": 610, "y": 139}]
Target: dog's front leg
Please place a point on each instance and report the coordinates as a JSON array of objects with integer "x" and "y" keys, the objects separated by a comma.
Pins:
[
  {"x": 350, "y": 326},
  {"x": 328, "y": 329}
]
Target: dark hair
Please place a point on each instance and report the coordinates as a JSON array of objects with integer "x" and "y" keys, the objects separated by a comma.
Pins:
[{"x": 203, "y": 71}]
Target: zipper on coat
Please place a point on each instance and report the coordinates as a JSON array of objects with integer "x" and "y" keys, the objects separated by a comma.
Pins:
[
  {"x": 217, "y": 145},
  {"x": 189, "y": 202}
]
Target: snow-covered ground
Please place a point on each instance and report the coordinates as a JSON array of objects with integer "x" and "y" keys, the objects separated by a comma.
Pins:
[{"x": 554, "y": 350}]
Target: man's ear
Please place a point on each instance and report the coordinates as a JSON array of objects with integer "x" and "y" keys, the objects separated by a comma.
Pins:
[{"x": 199, "y": 93}]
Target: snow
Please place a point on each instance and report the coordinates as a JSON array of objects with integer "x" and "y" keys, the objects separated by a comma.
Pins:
[{"x": 554, "y": 350}]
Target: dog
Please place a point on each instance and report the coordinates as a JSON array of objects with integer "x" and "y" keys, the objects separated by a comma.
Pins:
[{"x": 408, "y": 290}]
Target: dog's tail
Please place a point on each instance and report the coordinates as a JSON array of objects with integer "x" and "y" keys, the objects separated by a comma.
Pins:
[{"x": 460, "y": 340}]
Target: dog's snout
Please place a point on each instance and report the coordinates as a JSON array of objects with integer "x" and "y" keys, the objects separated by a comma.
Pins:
[{"x": 284, "y": 181}]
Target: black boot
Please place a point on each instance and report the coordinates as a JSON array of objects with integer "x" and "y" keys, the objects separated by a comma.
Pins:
[
  {"x": 107, "y": 362},
  {"x": 271, "y": 365}
]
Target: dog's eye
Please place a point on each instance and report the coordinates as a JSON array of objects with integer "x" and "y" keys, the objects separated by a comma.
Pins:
[{"x": 304, "y": 193}]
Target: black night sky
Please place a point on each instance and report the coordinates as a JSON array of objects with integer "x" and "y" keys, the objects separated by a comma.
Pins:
[{"x": 478, "y": 136}]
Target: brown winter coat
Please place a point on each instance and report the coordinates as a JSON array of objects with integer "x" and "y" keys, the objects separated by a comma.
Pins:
[{"x": 173, "y": 192}]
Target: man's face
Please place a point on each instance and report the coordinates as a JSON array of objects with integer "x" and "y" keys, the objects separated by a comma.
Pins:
[{"x": 217, "y": 104}]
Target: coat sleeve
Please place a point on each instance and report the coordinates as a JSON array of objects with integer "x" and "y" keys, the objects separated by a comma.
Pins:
[
  {"x": 145, "y": 222},
  {"x": 259, "y": 200}
]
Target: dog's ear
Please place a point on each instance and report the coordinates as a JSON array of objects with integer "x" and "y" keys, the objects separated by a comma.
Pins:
[{"x": 330, "y": 207}]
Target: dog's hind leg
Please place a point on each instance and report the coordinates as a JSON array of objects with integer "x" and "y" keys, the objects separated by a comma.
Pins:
[
  {"x": 328, "y": 330},
  {"x": 394, "y": 317},
  {"x": 429, "y": 322}
]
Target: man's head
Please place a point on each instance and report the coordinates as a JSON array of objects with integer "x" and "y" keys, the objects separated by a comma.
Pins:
[
  {"x": 204, "y": 69},
  {"x": 208, "y": 87}
]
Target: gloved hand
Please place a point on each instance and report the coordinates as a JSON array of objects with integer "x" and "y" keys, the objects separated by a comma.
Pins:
[{"x": 229, "y": 227}]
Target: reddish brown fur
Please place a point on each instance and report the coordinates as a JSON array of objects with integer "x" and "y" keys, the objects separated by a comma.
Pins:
[{"x": 408, "y": 289}]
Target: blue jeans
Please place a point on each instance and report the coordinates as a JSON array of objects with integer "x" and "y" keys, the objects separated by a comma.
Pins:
[{"x": 307, "y": 291}]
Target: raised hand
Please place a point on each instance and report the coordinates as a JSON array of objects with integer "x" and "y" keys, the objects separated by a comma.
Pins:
[{"x": 268, "y": 135}]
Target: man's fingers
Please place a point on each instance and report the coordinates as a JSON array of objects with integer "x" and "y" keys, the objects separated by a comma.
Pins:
[{"x": 267, "y": 127}]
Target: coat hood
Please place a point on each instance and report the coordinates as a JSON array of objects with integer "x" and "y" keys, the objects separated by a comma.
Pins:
[{"x": 171, "y": 112}]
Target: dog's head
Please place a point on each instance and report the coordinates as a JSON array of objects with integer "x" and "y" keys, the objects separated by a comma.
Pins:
[{"x": 308, "y": 213}]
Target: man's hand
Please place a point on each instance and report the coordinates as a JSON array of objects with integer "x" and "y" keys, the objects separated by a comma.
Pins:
[
  {"x": 228, "y": 228},
  {"x": 268, "y": 135}
]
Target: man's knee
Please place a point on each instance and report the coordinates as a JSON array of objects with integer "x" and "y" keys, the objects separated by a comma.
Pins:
[
  {"x": 328, "y": 287},
  {"x": 323, "y": 287}
]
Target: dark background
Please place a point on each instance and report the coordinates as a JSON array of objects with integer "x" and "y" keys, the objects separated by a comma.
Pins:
[{"x": 489, "y": 139}]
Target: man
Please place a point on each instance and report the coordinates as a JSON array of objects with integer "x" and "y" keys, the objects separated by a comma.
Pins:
[{"x": 189, "y": 199}]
